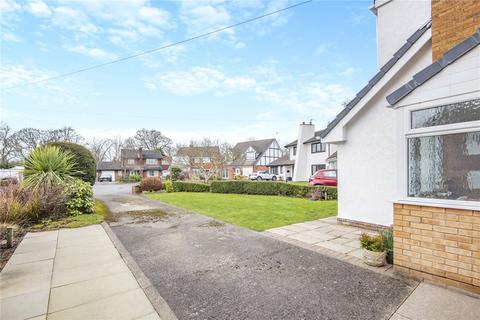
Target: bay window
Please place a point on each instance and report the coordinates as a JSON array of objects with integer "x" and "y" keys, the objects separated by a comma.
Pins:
[{"x": 443, "y": 152}]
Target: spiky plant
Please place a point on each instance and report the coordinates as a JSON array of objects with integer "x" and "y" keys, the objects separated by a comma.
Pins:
[{"x": 47, "y": 166}]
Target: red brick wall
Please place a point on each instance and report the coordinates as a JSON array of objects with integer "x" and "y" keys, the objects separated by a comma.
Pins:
[
  {"x": 439, "y": 244},
  {"x": 452, "y": 22}
]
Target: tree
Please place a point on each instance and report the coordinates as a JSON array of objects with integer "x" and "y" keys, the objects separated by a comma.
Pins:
[
  {"x": 28, "y": 139},
  {"x": 152, "y": 140},
  {"x": 116, "y": 148},
  {"x": 100, "y": 149},
  {"x": 85, "y": 165},
  {"x": 8, "y": 145},
  {"x": 206, "y": 159},
  {"x": 65, "y": 134}
]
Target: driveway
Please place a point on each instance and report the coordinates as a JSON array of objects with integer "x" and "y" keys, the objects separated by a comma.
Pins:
[{"x": 207, "y": 269}]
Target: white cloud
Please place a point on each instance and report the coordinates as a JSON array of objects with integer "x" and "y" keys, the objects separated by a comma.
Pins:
[
  {"x": 39, "y": 9},
  {"x": 9, "y": 6},
  {"x": 199, "y": 80},
  {"x": 204, "y": 15},
  {"x": 348, "y": 72},
  {"x": 75, "y": 20},
  {"x": 155, "y": 16},
  {"x": 95, "y": 53},
  {"x": 10, "y": 37},
  {"x": 240, "y": 45}
]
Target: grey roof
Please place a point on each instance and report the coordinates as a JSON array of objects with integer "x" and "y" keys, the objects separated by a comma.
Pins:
[
  {"x": 332, "y": 156},
  {"x": 145, "y": 154},
  {"x": 291, "y": 144},
  {"x": 376, "y": 78},
  {"x": 260, "y": 146},
  {"x": 316, "y": 137},
  {"x": 109, "y": 165},
  {"x": 429, "y": 72},
  {"x": 283, "y": 161},
  {"x": 198, "y": 151}
]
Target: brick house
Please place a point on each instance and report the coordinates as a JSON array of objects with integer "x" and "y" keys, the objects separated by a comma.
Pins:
[
  {"x": 145, "y": 163},
  {"x": 420, "y": 117},
  {"x": 196, "y": 159}
]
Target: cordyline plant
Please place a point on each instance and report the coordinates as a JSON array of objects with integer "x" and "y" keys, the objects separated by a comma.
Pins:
[{"x": 47, "y": 166}]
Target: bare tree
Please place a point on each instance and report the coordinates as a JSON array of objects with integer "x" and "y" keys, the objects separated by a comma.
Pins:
[
  {"x": 152, "y": 140},
  {"x": 205, "y": 159},
  {"x": 28, "y": 139},
  {"x": 8, "y": 145},
  {"x": 100, "y": 149},
  {"x": 116, "y": 148},
  {"x": 65, "y": 134}
]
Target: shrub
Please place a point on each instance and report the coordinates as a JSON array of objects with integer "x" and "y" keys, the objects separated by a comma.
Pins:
[
  {"x": 85, "y": 166},
  {"x": 175, "y": 173},
  {"x": 180, "y": 186},
  {"x": 387, "y": 236},
  {"x": 47, "y": 166},
  {"x": 151, "y": 184},
  {"x": 168, "y": 186},
  {"x": 26, "y": 205},
  {"x": 269, "y": 188},
  {"x": 80, "y": 197},
  {"x": 372, "y": 243},
  {"x": 131, "y": 178}
]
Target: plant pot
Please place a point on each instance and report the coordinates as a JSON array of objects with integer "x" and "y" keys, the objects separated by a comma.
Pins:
[
  {"x": 390, "y": 256},
  {"x": 136, "y": 189},
  {"x": 374, "y": 258}
]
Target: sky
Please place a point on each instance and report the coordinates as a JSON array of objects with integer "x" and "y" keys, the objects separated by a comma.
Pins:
[{"x": 258, "y": 80}]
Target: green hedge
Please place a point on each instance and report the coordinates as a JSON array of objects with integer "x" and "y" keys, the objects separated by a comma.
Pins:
[
  {"x": 269, "y": 188},
  {"x": 180, "y": 186}
]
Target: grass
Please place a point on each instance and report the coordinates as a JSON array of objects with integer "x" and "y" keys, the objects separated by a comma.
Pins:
[
  {"x": 99, "y": 214},
  {"x": 258, "y": 213},
  {"x": 299, "y": 183}
]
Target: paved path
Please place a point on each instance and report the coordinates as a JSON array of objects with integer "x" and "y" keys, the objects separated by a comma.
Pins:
[{"x": 70, "y": 274}]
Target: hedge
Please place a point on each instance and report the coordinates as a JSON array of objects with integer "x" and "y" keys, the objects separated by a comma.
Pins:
[
  {"x": 269, "y": 188},
  {"x": 84, "y": 162},
  {"x": 180, "y": 186}
]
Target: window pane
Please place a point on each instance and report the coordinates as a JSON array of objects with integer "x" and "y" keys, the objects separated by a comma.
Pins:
[
  {"x": 451, "y": 113},
  {"x": 445, "y": 167}
]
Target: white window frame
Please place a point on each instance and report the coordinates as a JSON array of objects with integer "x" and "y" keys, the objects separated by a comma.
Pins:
[
  {"x": 150, "y": 161},
  {"x": 130, "y": 161},
  {"x": 407, "y": 132},
  {"x": 151, "y": 173}
]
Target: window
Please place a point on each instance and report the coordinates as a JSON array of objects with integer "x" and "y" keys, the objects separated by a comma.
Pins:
[
  {"x": 250, "y": 155},
  {"x": 330, "y": 174},
  {"x": 317, "y": 167},
  {"x": 274, "y": 170},
  {"x": 444, "y": 164},
  {"x": 452, "y": 113},
  {"x": 294, "y": 151},
  {"x": 318, "y": 147},
  {"x": 237, "y": 171},
  {"x": 165, "y": 162},
  {"x": 130, "y": 161},
  {"x": 151, "y": 161},
  {"x": 151, "y": 173}
]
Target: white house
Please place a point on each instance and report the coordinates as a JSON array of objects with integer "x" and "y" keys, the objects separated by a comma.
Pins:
[
  {"x": 304, "y": 156},
  {"x": 12, "y": 173},
  {"x": 419, "y": 119},
  {"x": 252, "y": 156}
]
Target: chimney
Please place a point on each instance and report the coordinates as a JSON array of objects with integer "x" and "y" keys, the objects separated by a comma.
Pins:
[
  {"x": 453, "y": 22},
  {"x": 140, "y": 153},
  {"x": 302, "y": 170}
]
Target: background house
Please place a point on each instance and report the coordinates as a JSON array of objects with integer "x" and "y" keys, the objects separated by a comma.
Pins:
[
  {"x": 198, "y": 160},
  {"x": 252, "y": 156},
  {"x": 145, "y": 163},
  {"x": 420, "y": 115},
  {"x": 304, "y": 156}
]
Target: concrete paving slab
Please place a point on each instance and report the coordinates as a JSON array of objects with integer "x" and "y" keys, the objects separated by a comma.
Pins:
[
  {"x": 33, "y": 244},
  {"x": 80, "y": 260},
  {"x": 357, "y": 253},
  {"x": 307, "y": 225},
  {"x": 125, "y": 306},
  {"x": 282, "y": 231},
  {"x": 42, "y": 317},
  {"x": 322, "y": 236},
  {"x": 86, "y": 272},
  {"x": 45, "y": 235},
  {"x": 72, "y": 295},
  {"x": 151, "y": 316},
  {"x": 27, "y": 269},
  {"x": 340, "y": 240},
  {"x": 305, "y": 238},
  {"x": 14, "y": 286},
  {"x": 296, "y": 228},
  {"x": 429, "y": 302},
  {"x": 32, "y": 256},
  {"x": 24, "y": 306},
  {"x": 335, "y": 247},
  {"x": 353, "y": 243},
  {"x": 399, "y": 317}
]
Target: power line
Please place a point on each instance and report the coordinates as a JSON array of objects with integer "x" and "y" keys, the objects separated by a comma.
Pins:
[{"x": 203, "y": 35}]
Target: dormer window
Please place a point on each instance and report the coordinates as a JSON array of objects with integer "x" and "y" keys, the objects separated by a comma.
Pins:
[
  {"x": 151, "y": 161},
  {"x": 130, "y": 161},
  {"x": 251, "y": 155},
  {"x": 318, "y": 147}
]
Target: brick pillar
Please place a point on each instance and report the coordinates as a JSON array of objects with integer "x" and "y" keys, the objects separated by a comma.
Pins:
[
  {"x": 439, "y": 244},
  {"x": 452, "y": 22}
]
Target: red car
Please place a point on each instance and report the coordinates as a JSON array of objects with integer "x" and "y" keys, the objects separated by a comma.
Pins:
[{"x": 324, "y": 178}]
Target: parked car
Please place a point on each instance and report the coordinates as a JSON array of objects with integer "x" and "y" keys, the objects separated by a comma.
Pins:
[
  {"x": 324, "y": 178},
  {"x": 107, "y": 178},
  {"x": 263, "y": 175}
]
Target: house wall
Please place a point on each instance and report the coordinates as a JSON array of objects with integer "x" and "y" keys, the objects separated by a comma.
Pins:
[
  {"x": 271, "y": 154},
  {"x": 396, "y": 21},
  {"x": 318, "y": 158},
  {"x": 452, "y": 22},
  {"x": 302, "y": 168},
  {"x": 440, "y": 244},
  {"x": 367, "y": 160}
]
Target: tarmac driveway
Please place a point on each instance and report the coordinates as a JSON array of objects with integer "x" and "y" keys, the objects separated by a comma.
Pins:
[{"x": 207, "y": 269}]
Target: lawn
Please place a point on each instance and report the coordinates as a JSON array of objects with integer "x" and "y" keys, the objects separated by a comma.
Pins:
[
  {"x": 100, "y": 213},
  {"x": 258, "y": 213}
]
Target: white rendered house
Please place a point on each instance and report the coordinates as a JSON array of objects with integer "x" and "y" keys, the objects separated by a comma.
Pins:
[{"x": 304, "y": 156}]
